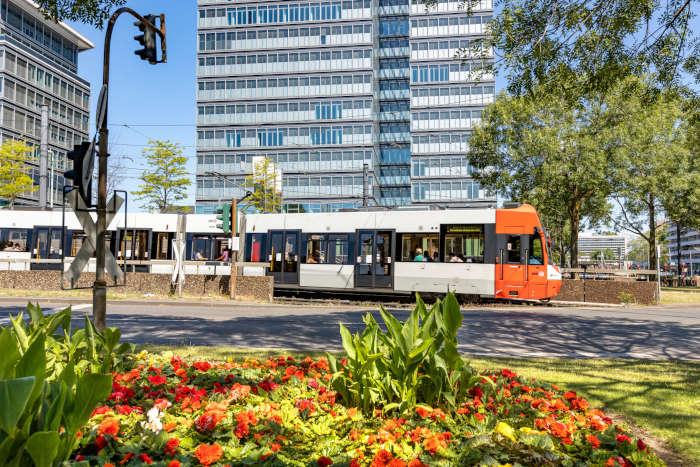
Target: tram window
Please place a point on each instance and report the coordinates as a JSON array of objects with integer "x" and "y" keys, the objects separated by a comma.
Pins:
[
  {"x": 536, "y": 253},
  {"x": 417, "y": 246},
  {"x": 17, "y": 240},
  {"x": 201, "y": 246},
  {"x": 316, "y": 249},
  {"x": 338, "y": 249},
  {"x": 464, "y": 244},
  {"x": 257, "y": 245},
  {"x": 513, "y": 247}
]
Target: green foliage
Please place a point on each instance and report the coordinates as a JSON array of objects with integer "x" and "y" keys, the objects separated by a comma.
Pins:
[
  {"x": 415, "y": 362},
  {"x": 626, "y": 298},
  {"x": 647, "y": 134},
  {"x": 166, "y": 180},
  {"x": 543, "y": 151},
  {"x": 14, "y": 180},
  {"x": 583, "y": 46},
  {"x": 93, "y": 12},
  {"x": 263, "y": 184},
  {"x": 50, "y": 381}
]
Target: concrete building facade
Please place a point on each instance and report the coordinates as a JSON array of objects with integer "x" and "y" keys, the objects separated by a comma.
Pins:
[
  {"x": 327, "y": 88},
  {"x": 590, "y": 248},
  {"x": 690, "y": 248},
  {"x": 39, "y": 66}
]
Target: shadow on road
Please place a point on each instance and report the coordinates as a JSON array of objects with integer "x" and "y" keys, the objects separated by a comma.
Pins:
[{"x": 492, "y": 333}]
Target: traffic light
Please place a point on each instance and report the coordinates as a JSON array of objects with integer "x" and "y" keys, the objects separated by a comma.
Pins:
[
  {"x": 223, "y": 214},
  {"x": 83, "y": 159},
  {"x": 147, "y": 39}
]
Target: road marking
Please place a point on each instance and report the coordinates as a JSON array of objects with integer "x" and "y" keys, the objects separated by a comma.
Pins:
[{"x": 83, "y": 306}]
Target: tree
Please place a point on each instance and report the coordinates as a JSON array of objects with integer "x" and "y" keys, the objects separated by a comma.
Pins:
[
  {"x": 649, "y": 138},
  {"x": 93, "y": 12},
  {"x": 166, "y": 180},
  {"x": 606, "y": 254},
  {"x": 592, "y": 44},
  {"x": 14, "y": 180},
  {"x": 263, "y": 184},
  {"x": 546, "y": 152}
]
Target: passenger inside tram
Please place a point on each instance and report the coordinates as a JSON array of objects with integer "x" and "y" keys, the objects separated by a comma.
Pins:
[{"x": 419, "y": 255}]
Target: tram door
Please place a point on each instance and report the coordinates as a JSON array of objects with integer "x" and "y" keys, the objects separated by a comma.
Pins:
[
  {"x": 283, "y": 256},
  {"x": 511, "y": 272},
  {"x": 374, "y": 265},
  {"x": 47, "y": 243}
]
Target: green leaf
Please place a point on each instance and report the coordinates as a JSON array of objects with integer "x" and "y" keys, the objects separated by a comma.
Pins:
[
  {"x": 10, "y": 354},
  {"x": 347, "y": 342},
  {"x": 18, "y": 327},
  {"x": 90, "y": 390},
  {"x": 14, "y": 395},
  {"x": 42, "y": 446},
  {"x": 452, "y": 314}
]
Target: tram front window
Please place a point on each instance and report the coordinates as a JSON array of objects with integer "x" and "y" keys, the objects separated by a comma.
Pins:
[{"x": 536, "y": 253}]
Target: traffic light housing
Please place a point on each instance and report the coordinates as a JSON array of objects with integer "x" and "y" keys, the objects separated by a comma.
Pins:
[
  {"x": 83, "y": 159},
  {"x": 223, "y": 215},
  {"x": 147, "y": 39}
]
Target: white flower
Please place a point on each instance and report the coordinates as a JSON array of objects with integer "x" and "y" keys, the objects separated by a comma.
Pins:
[{"x": 154, "y": 424}]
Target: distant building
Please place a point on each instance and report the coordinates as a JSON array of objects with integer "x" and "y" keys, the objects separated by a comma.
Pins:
[
  {"x": 327, "y": 88},
  {"x": 609, "y": 250},
  {"x": 690, "y": 248},
  {"x": 39, "y": 66}
]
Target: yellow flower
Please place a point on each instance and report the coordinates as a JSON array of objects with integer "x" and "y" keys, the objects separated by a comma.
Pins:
[{"x": 505, "y": 430}]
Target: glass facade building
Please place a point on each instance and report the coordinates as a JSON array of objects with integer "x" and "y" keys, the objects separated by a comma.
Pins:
[
  {"x": 324, "y": 88},
  {"x": 38, "y": 67}
]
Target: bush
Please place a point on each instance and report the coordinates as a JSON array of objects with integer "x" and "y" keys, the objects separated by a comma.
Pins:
[
  {"x": 412, "y": 362},
  {"x": 50, "y": 381}
]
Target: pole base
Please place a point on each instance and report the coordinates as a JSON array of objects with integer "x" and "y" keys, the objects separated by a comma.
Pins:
[{"x": 99, "y": 305}]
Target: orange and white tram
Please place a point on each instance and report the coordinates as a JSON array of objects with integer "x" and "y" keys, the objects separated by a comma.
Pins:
[{"x": 496, "y": 253}]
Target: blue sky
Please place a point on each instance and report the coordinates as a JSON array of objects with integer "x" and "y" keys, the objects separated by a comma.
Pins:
[{"x": 144, "y": 94}]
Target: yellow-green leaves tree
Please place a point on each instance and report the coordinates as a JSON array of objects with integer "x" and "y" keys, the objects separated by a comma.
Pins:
[
  {"x": 165, "y": 181},
  {"x": 14, "y": 180},
  {"x": 264, "y": 186}
]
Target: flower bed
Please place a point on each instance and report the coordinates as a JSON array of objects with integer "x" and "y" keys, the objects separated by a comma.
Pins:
[{"x": 282, "y": 412}]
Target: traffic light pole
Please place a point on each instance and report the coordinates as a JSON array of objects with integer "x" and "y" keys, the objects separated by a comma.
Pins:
[{"x": 99, "y": 290}]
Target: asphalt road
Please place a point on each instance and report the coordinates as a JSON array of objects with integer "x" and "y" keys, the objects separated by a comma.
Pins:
[{"x": 669, "y": 332}]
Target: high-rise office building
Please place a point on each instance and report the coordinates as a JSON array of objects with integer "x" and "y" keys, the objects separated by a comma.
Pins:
[
  {"x": 341, "y": 95},
  {"x": 39, "y": 67}
]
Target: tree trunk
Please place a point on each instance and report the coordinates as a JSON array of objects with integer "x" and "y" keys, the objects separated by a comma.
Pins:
[
  {"x": 575, "y": 219},
  {"x": 653, "y": 259},
  {"x": 679, "y": 268}
]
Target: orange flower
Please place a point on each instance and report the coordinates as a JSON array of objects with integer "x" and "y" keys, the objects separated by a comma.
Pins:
[
  {"x": 174, "y": 463},
  {"x": 109, "y": 426},
  {"x": 108, "y": 464},
  {"x": 417, "y": 463},
  {"x": 423, "y": 412},
  {"x": 274, "y": 447},
  {"x": 593, "y": 440},
  {"x": 207, "y": 454}
]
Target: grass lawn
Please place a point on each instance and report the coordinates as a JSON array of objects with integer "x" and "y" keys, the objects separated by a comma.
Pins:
[
  {"x": 671, "y": 296},
  {"x": 662, "y": 398}
]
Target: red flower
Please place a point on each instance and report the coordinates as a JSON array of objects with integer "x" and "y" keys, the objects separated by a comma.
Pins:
[
  {"x": 207, "y": 454},
  {"x": 205, "y": 423},
  {"x": 559, "y": 430},
  {"x": 417, "y": 463},
  {"x": 641, "y": 445},
  {"x": 324, "y": 461},
  {"x": 202, "y": 366},
  {"x": 174, "y": 463},
  {"x": 396, "y": 463},
  {"x": 157, "y": 380},
  {"x": 506, "y": 373},
  {"x": 275, "y": 447},
  {"x": 103, "y": 409},
  {"x": 622, "y": 438},
  {"x": 244, "y": 420},
  {"x": 171, "y": 446},
  {"x": 100, "y": 442},
  {"x": 145, "y": 458},
  {"x": 593, "y": 440}
]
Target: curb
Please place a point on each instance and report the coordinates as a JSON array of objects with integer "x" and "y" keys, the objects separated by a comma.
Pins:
[{"x": 587, "y": 304}]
